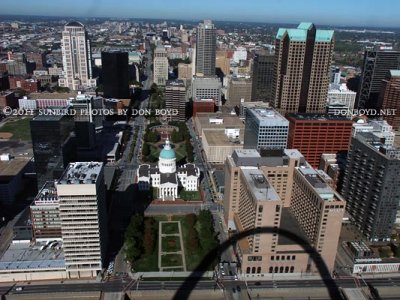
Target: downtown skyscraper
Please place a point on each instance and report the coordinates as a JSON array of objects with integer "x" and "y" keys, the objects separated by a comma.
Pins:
[
  {"x": 303, "y": 58},
  {"x": 76, "y": 55},
  {"x": 376, "y": 66},
  {"x": 206, "y": 48}
]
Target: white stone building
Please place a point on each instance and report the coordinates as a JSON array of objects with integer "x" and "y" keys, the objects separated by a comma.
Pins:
[{"x": 167, "y": 177}]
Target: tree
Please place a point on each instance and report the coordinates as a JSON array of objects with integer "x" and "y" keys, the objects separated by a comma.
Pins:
[
  {"x": 134, "y": 238},
  {"x": 60, "y": 89},
  {"x": 190, "y": 220},
  {"x": 189, "y": 151},
  {"x": 149, "y": 236},
  {"x": 193, "y": 244},
  {"x": 176, "y": 136},
  {"x": 153, "y": 88},
  {"x": 146, "y": 149},
  {"x": 150, "y": 137}
]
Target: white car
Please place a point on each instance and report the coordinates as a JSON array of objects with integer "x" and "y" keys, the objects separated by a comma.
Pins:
[{"x": 19, "y": 288}]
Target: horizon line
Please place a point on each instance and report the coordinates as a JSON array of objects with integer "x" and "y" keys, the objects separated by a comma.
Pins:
[{"x": 196, "y": 20}]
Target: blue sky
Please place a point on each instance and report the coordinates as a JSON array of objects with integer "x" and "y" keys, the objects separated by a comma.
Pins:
[{"x": 325, "y": 12}]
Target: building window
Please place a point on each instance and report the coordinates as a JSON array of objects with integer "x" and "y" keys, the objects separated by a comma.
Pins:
[
  {"x": 248, "y": 270},
  {"x": 258, "y": 269},
  {"x": 271, "y": 269},
  {"x": 253, "y": 270}
]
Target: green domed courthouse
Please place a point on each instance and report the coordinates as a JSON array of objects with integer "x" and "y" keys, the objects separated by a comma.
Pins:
[{"x": 166, "y": 176}]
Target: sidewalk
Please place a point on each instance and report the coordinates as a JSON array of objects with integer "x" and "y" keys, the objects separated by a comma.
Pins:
[{"x": 172, "y": 274}]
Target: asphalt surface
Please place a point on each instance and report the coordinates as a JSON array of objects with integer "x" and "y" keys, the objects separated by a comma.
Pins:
[{"x": 119, "y": 284}]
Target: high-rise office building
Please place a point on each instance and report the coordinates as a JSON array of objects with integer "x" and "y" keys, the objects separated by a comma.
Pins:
[
  {"x": 114, "y": 66},
  {"x": 87, "y": 119},
  {"x": 175, "y": 99},
  {"x": 265, "y": 129},
  {"x": 53, "y": 145},
  {"x": 208, "y": 87},
  {"x": 263, "y": 75},
  {"x": 239, "y": 90},
  {"x": 302, "y": 69},
  {"x": 76, "y": 55},
  {"x": 389, "y": 98},
  {"x": 206, "y": 48},
  {"x": 371, "y": 185},
  {"x": 160, "y": 65},
  {"x": 376, "y": 66},
  {"x": 340, "y": 99},
  {"x": 315, "y": 134},
  {"x": 45, "y": 213},
  {"x": 83, "y": 213}
]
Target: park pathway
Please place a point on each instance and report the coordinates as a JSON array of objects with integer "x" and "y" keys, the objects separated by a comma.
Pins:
[{"x": 180, "y": 252}]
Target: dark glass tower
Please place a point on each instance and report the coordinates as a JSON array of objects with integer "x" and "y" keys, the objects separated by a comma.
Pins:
[
  {"x": 263, "y": 76},
  {"x": 115, "y": 74},
  {"x": 53, "y": 146}
]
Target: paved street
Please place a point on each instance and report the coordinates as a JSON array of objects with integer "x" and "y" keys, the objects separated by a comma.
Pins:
[{"x": 118, "y": 285}]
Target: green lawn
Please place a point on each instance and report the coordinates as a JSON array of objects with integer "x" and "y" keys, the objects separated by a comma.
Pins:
[
  {"x": 192, "y": 259},
  {"x": 149, "y": 263},
  {"x": 170, "y": 228},
  {"x": 190, "y": 196},
  {"x": 171, "y": 260},
  {"x": 20, "y": 129},
  {"x": 170, "y": 244}
]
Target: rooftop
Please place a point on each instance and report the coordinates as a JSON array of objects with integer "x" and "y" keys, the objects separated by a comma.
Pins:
[
  {"x": 51, "y": 114},
  {"x": 268, "y": 116},
  {"x": 318, "y": 183},
  {"x": 324, "y": 35},
  {"x": 81, "y": 173},
  {"x": 12, "y": 167},
  {"x": 259, "y": 185},
  {"x": 300, "y": 33},
  {"x": 318, "y": 117},
  {"x": 74, "y": 24},
  {"x": 219, "y": 138},
  {"x": 24, "y": 256},
  {"x": 395, "y": 73},
  {"x": 175, "y": 83},
  {"x": 47, "y": 195}
]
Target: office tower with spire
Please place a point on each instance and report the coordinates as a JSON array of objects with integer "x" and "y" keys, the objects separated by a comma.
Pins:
[
  {"x": 76, "y": 55},
  {"x": 303, "y": 58},
  {"x": 206, "y": 48}
]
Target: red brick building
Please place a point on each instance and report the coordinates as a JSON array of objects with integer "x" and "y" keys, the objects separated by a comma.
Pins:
[
  {"x": 207, "y": 105},
  {"x": 20, "y": 82},
  {"x": 8, "y": 98},
  {"x": 315, "y": 134},
  {"x": 389, "y": 98}
]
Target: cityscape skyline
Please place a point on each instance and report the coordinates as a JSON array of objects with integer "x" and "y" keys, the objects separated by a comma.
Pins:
[{"x": 260, "y": 11}]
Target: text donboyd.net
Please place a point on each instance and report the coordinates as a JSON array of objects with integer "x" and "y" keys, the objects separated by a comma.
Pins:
[
  {"x": 8, "y": 111},
  {"x": 366, "y": 112}
]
